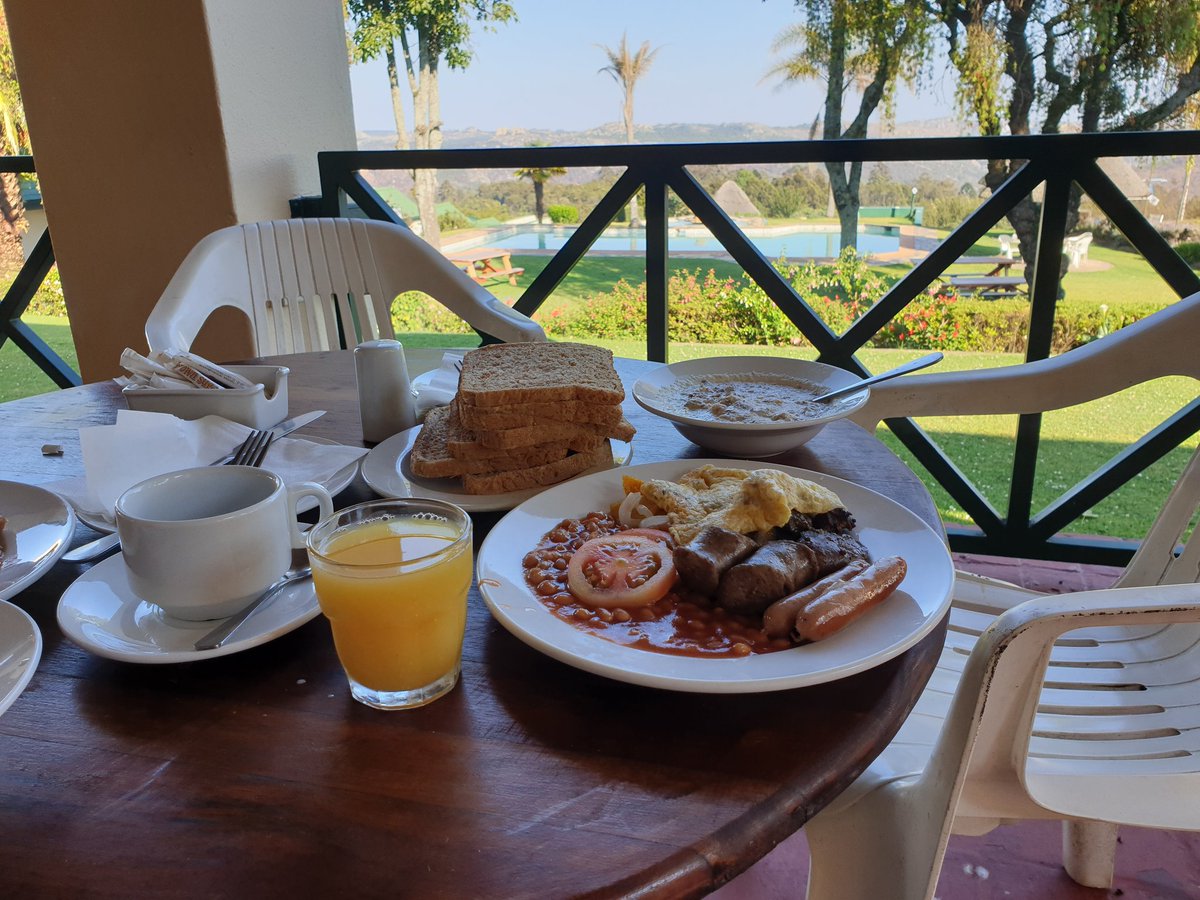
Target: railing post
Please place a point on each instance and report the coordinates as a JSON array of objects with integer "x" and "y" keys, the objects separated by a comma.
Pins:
[{"x": 656, "y": 268}]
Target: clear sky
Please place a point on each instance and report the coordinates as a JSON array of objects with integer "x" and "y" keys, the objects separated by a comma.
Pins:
[{"x": 543, "y": 70}]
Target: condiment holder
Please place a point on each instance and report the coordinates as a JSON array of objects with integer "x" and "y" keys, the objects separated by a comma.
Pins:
[{"x": 260, "y": 406}]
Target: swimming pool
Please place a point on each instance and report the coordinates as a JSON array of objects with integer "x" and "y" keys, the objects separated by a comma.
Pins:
[{"x": 793, "y": 244}]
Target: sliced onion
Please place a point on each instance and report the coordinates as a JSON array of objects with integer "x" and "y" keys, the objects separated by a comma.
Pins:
[
  {"x": 653, "y": 522},
  {"x": 625, "y": 513}
]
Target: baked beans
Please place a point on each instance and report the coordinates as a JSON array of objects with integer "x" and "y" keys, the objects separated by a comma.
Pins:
[{"x": 678, "y": 625}]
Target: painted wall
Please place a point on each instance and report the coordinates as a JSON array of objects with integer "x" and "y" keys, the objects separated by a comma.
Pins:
[{"x": 156, "y": 123}]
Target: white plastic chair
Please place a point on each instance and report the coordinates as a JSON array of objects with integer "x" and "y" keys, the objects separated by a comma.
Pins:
[
  {"x": 1008, "y": 245},
  {"x": 1081, "y": 707},
  {"x": 319, "y": 284},
  {"x": 1076, "y": 248}
]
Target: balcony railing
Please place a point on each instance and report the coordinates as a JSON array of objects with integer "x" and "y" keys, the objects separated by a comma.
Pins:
[
  {"x": 16, "y": 300},
  {"x": 1054, "y": 162}
]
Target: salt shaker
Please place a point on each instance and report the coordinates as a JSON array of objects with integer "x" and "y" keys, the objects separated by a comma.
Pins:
[{"x": 385, "y": 398}]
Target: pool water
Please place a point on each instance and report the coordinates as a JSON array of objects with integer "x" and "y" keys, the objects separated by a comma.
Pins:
[{"x": 796, "y": 244}]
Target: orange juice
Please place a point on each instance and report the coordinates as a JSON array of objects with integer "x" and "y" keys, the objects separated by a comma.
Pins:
[{"x": 394, "y": 590}]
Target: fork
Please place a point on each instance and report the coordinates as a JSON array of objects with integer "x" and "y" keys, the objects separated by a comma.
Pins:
[{"x": 251, "y": 452}]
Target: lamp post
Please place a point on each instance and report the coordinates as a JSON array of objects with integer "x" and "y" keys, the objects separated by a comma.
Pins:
[{"x": 912, "y": 206}]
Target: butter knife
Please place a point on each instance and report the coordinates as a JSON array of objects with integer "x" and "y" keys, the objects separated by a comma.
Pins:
[{"x": 100, "y": 546}]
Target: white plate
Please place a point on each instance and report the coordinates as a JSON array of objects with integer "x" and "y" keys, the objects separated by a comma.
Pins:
[
  {"x": 37, "y": 534},
  {"x": 752, "y": 440},
  {"x": 386, "y": 470},
  {"x": 20, "y": 650},
  {"x": 101, "y": 613},
  {"x": 335, "y": 484},
  {"x": 885, "y": 527}
]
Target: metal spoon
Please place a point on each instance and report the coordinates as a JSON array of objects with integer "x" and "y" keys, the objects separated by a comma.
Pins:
[
  {"x": 921, "y": 363},
  {"x": 221, "y": 633}
]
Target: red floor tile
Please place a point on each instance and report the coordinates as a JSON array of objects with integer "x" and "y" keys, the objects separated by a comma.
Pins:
[{"x": 1024, "y": 860}]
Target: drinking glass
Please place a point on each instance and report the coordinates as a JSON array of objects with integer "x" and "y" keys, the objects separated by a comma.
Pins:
[{"x": 392, "y": 578}]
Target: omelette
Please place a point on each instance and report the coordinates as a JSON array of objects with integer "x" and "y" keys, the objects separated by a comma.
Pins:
[{"x": 737, "y": 499}]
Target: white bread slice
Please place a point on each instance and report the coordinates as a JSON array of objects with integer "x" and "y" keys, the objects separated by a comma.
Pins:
[
  {"x": 538, "y": 372},
  {"x": 535, "y": 476},
  {"x": 576, "y": 436},
  {"x": 431, "y": 457},
  {"x": 518, "y": 415}
]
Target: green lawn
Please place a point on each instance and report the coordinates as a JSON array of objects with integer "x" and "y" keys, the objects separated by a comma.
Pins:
[{"x": 19, "y": 377}]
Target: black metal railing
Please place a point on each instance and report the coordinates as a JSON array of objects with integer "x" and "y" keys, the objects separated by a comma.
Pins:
[
  {"x": 1054, "y": 162},
  {"x": 19, "y": 294}
]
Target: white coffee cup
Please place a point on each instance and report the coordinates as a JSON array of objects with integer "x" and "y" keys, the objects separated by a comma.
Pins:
[{"x": 202, "y": 543}]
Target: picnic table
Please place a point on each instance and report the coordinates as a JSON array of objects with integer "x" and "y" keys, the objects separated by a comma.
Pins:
[
  {"x": 485, "y": 264},
  {"x": 997, "y": 265},
  {"x": 992, "y": 286}
]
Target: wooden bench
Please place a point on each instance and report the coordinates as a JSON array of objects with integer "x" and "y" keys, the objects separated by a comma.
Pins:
[
  {"x": 486, "y": 264},
  {"x": 988, "y": 285}
]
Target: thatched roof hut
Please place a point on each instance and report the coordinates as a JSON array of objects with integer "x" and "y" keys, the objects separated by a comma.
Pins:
[{"x": 731, "y": 198}]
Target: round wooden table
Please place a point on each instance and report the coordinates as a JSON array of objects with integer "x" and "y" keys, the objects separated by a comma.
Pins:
[{"x": 256, "y": 774}]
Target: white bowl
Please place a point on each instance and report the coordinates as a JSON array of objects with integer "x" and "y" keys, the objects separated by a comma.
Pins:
[{"x": 742, "y": 439}]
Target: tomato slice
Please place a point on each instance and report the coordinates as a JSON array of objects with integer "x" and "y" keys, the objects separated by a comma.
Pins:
[
  {"x": 655, "y": 534},
  {"x": 621, "y": 571}
]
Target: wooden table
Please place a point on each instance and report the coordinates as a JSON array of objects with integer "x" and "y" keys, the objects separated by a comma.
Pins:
[
  {"x": 485, "y": 264},
  {"x": 997, "y": 265},
  {"x": 256, "y": 774}
]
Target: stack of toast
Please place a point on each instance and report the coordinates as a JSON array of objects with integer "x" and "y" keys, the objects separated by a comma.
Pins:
[{"x": 525, "y": 415}]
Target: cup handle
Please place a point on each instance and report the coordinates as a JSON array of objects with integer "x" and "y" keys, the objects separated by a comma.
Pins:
[{"x": 306, "y": 489}]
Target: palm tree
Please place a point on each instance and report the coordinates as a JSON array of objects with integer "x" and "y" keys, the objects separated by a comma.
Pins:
[
  {"x": 626, "y": 69},
  {"x": 539, "y": 177}
]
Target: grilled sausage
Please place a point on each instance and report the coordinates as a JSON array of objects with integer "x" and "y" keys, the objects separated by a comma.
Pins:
[
  {"x": 841, "y": 604},
  {"x": 709, "y": 555},
  {"x": 774, "y": 570},
  {"x": 781, "y": 615}
]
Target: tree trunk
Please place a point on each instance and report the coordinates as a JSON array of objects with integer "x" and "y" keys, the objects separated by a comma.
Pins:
[
  {"x": 634, "y": 218},
  {"x": 425, "y": 180},
  {"x": 844, "y": 189},
  {"x": 12, "y": 224},
  {"x": 1189, "y": 165},
  {"x": 397, "y": 101},
  {"x": 539, "y": 200}
]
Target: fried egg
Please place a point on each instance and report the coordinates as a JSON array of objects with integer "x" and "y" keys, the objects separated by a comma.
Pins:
[{"x": 737, "y": 499}]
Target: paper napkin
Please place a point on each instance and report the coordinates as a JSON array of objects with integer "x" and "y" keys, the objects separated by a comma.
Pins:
[
  {"x": 437, "y": 388},
  {"x": 144, "y": 444}
]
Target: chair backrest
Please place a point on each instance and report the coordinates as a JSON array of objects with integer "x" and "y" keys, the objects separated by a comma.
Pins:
[
  {"x": 319, "y": 284},
  {"x": 1007, "y": 245},
  {"x": 1156, "y": 346}
]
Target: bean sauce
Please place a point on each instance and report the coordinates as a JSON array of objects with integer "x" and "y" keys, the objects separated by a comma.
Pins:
[{"x": 678, "y": 624}]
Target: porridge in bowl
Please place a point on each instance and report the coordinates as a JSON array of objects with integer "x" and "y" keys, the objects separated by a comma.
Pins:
[{"x": 750, "y": 398}]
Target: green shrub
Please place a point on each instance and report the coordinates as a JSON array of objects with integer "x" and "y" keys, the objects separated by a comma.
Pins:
[
  {"x": 48, "y": 301},
  {"x": 1190, "y": 253},
  {"x": 413, "y": 311},
  {"x": 949, "y": 212},
  {"x": 452, "y": 220},
  {"x": 563, "y": 214}
]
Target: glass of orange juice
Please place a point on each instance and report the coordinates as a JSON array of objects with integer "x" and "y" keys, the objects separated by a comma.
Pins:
[{"x": 392, "y": 578}]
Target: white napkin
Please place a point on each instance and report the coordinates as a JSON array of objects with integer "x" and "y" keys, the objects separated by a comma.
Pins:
[
  {"x": 144, "y": 444},
  {"x": 437, "y": 388}
]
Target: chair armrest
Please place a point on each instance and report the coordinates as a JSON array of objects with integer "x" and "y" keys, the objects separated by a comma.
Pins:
[{"x": 988, "y": 726}]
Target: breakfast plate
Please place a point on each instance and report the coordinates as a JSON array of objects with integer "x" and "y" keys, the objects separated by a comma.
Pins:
[
  {"x": 745, "y": 434},
  {"x": 335, "y": 484},
  {"x": 20, "y": 650},
  {"x": 884, "y": 526},
  {"x": 386, "y": 470},
  {"x": 38, "y": 532},
  {"x": 101, "y": 613}
]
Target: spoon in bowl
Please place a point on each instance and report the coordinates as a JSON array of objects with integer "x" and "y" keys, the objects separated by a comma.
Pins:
[{"x": 904, "y": 369}]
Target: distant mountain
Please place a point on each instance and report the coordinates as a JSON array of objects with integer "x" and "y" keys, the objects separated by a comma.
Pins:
[{"x": 678, "y": 133}]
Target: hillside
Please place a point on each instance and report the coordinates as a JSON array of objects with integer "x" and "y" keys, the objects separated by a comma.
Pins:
[{"x": 680, "y": 133}]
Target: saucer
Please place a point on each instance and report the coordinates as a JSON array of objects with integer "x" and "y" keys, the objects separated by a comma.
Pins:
[
  {"x": 101, "y": 613},
  {"x": 38, "y": 533},
  {"x": 20, "y": 650}
]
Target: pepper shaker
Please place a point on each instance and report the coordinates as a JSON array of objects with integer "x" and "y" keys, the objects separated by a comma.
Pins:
[{"x": 385, "y": 398}]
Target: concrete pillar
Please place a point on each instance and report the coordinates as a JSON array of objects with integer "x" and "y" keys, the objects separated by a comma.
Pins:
[{"x": 155, "y": 123}]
